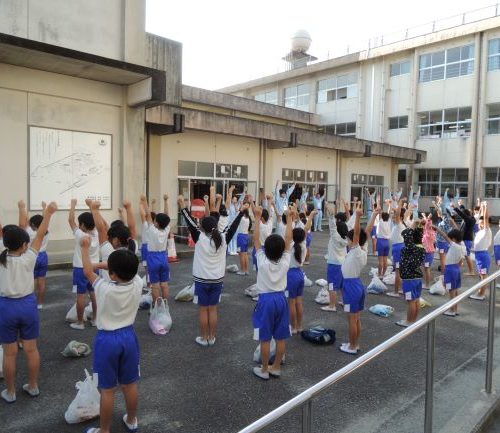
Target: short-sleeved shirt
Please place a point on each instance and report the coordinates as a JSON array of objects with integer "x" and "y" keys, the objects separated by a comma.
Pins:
[
  {"x": 455, "y": 253},
  {"x": 272, "y": 275},
  {"x": 32, "y": 235},
  {"x": 396, "y": 237},
  {"x": 117, "y": 303},
  {"x": 265, "y": 230},
  {"x": 354, "y": 262},
  {"x": 384, "y": 229},
  {"x": 16, "y": 279},
  {"x": 157, "y": 238},
  {"x": 144, "y": 232},
  {"x": 496, "y": 239},
  {"x": 483, "y": 239},
  {"x": 293, "y": 261},
  {"x": 94, "y": 247}
]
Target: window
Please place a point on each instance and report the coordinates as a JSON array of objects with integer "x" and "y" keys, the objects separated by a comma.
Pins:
[
  {"x": 494, "y": 119},
  {"x": 299, "y": 175},
  {"x": 365, "y": 179},
  {"x": 268, "y": 97},
  {"x": 448, "y": 123},
  {"x": 494, "y": 54},
  {"x": 402, "y": 175},
  {"x": 400, "y": 68},
  {"x": 345, "y": 129},
  {"x": 450, "y": 63},
  {"x": 492, "y": 182},
  {"x": 434, "y": 181},
  {"x": 297, "y": 97},
  {"x": 206, "y": 169},
  {"x": 339, "y": 87},
  {"x": 398, "y": 122}
]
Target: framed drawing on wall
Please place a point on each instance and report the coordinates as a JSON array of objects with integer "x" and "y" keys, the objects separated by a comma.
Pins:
[{"x": 67, "y": 164}]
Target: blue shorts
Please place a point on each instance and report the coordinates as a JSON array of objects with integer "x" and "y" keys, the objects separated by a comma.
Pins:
[
  {"x": 80, "y": 282},
  {"x": 116, "y": 357},
  {"x": 144, "y": 254},
  {"x": 158, "y": 269},
  {"x": 254, "y": 259},
  {"x": 309, "y": 239},
  {"x": 42, "y": 265},
  {"x": 207, "y": 294},
  {"x": 354, "y": 295},
  {"x": 382, "y": 247},
  {"x": 468, "y": 246},
  {"x": 19, "y": 317},
  {"x": 443, "y": 247},
  {"x": 496, "y": 249},
  {"x": 271, "y": 318},
  {"x": 476, "y": 228},
  {"x": 396, "y": 254},
  {"x": 334, "y": 277},
  {"x": 242, "y": 242},
  {"x": 295, "y": 283},
  {"x": 412, "y": 289},
  {"x": 373, "y": 233},
  {"x": 429, "y": 258},
  {"x": 452, "y": 277},
  {"x": 483, "y": 262}
]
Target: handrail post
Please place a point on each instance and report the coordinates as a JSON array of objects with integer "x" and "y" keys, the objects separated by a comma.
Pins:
[
  {"x": 429, "y": 377},
  {"x": 491, "y": 335},
  {"x": 307, "y": 417}
]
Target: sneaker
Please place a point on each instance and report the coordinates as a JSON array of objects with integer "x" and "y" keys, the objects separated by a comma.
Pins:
[
  {"x": 92, "y": 322},
  {"x": 294, "y": 331},
  {"x": 306, "y": 263},
  {"x": 255, "y": 298},
  {"x": 259, "y": 373},
  {"x": 470, "y": 274},
  {"x": 246, "y": 273},
  {"x": 393, "y": 294},
  {"x": 347, "y": 349},
  {"x": 9, "y": 398},
  {"x": 130, "y": 427},
  {"x": 93, "y": 430},
  {"x": 328, "y": 308},
  {"x": 78, "y": 326},
  {"x": 211, "y": 341},
  {"x": 450, "y": 313},
  {"x": 33, "y": 392},
  {"x": 234, "y": 253},
  {"x": 274, "y": 373},
  {"x": 403, "y": 323},
  {"x": 477, "y": 297},
  {"x": 425, "y": 286},
  {"x": 39, "y": 306},
  {"x": 240, "y": 273},
  {"x": 201, "y": 341}
]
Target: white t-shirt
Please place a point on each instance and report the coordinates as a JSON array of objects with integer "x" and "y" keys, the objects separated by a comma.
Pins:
[
  {"x": 354, "y": 262},
  {"x": 223, "y": 222},
  {"x": 94, "y": 247},
  {"x": 496, "y": 239},
  {"x": 272, "y": 276},
  {"x": 144, "y": 233},
  {"x": 117, "y": 303},
  {"x": 106, "y": 249},
  {"x": 336, "y": 244},
  {"x": 384, "y": 229},
  {"x": 157, "y": 239},
  {"x": 482, "y": 240},
  {"x": 281, "y": 229},
  {"x": 209, "y": 264},
  {"x": 244, "y": 225},
  {"x": 32, "y": 235},
  {"x": 455, "y": 253},
  {"x": 396, "y": 237},
  {"x": 2, "y": 246},
  {"x": 293, "y": 262},
  {"x": 16, "y": 280},
  {"x": 266, "y": 230}
]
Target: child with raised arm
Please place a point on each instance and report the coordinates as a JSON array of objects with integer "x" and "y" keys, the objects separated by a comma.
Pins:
[
  {"x": 266, "y": 228},
  {"x": 295, "y": 276},
  {"x": 412, "y": 259},
  {"x": 318, "y": 206},
  {"x": 271, "y": 318},
  {"x": 452, "y": 272},
  {"x": 496, "y": 246},
  {"x": 116, "y": 349},
  {"x": 383, "y": 238},
  {"x": 354, "y": 290},
  {"x": 468, "y": 233},
  {"x": 18, "y": 304},
  {"x": 42, "y": 262},
  {"x": 429, "y": 243},
  {"x": 157, "y": 235},
  {"x": 282, "y": 197},
  {"x": 209, "y": 267},
  {"x": 482, "y": 243},
  {"x": 243, "y": 241},
  {"x": 337, "y": 251},
  {"x": 82, "y": 287}
]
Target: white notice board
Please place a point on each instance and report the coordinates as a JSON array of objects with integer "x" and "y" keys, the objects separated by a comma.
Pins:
[{"x": 68, "y": 164}]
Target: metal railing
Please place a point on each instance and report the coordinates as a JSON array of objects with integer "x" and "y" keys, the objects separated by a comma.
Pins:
[{"x": 304, "y": 399}]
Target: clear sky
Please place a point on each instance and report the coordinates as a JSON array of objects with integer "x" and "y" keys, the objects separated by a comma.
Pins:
[{"x": 231, "y": 41}]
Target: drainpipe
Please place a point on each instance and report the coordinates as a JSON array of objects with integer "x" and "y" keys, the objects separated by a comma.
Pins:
[{"x": 476, "y": 141}]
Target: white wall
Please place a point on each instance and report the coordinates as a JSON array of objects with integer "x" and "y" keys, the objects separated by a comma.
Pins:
[{"x": 446, "y": 153}]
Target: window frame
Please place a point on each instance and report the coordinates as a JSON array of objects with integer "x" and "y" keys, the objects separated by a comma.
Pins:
[
  {"x": 349, "y": 88},
  {"x": 441, "y": 130},
  {"x": 439, "y": 186},
  {"x": 398, "y": 120},
  {"x": 432, "y": 72}
]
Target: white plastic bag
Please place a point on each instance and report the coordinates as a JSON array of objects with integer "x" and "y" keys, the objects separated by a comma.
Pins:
[
  {"x": 390, "y": 279},
  {"x": 389, "y": 270},
  {"x": 307, "y": 282},
  {"x": 86, "y": 404},
  {"x": 232, "y": 268},
  {"x": 1, "y": 362},
  {"x": 272, "y": 352},
  {"x": 323, "y": 297},
  {"x": 251, "y": 291},
  {"x": 322, "y": 282},
  {"x": 160, "y": 315},
  {"x": 186, "y": 294},
  {"x": 373, "y": 272},
  {"x": 71, "y": 315},
  {"x": 381, "y": 310},
  {"x": 438, "y": 287},
  {"x": 376, "y": 286}
]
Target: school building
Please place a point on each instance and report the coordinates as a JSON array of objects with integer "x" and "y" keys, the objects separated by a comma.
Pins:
[
  {"x": 435, "y": 88},
  {"x": 93, "y": 106}
]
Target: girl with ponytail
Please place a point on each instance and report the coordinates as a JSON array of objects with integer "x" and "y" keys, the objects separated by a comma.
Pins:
[
  {"x": 209, "y": 267},
  {"x": 295, "y": 275},
  {"x": 18, "y": 303}
]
